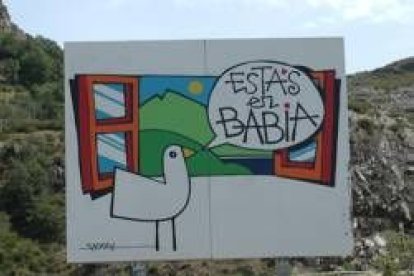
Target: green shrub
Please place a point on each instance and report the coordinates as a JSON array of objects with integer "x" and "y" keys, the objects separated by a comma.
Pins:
[
  {"x": 359, "y": 106},
  {"x": 367, "y": 125},
  {"x": 399, "y": 253}
]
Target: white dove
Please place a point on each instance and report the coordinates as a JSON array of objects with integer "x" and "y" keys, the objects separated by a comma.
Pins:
[{"x": 139, "y": 198}]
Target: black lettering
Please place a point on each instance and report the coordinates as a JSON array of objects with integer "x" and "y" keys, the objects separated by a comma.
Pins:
[
  {"x": 228, "y": 117},
  {"x": 270, "y": 100},
  {"x": 275, "y": 79},
  {"x": 252, "y": 124},
  {"x": 249, "y": 78},
  {"x": 255, "y": 102},
  {"x": 94, "y": 246},
  {"x": 235, "y": 83},
  {"x": 268, "y": 125},
  {"x": 297, "y": 118},
  {"x": 262, "y": 76},
  {"x": 293, "y": 87},
  {"x": 287, "y": 125}
]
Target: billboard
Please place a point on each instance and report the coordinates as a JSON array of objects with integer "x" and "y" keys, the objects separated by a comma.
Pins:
[{"x": 206, "y": 149}]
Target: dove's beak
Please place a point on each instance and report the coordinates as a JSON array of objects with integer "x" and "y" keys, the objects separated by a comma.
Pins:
[{"x": 187, "y": 152}]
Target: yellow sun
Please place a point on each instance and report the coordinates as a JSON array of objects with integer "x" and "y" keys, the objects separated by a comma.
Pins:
[{"x": 195, "y": 87}]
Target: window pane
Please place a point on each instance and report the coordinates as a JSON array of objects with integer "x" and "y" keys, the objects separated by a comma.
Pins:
[
  {"x": 109, "y": 100},
  {"x": 303, "y": 153},
  {"x": 111, "y": 151}
]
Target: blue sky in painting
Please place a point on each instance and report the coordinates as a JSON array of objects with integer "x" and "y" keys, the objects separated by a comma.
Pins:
[
  {"x": 150, "y": 86},
  {"x": 106, "y": 109},
  {"x": 107, "y": 160}
]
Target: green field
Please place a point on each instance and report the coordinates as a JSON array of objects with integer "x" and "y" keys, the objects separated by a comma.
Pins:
[
  {"x": 177, "y": 114},
  {"x": 202, "y": 162}
]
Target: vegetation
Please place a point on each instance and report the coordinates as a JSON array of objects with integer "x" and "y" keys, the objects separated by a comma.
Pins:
[
  {"x": 32, "y": 217},
  {"x": 359, "y": 106},
  {"x": 30, "y": 61},
  {"x": 32, "y": 220},
  {"x": 386, "y": 81},
  {"x": 31, "y": 207},
  {"x": 399, "y": 254},
  {"x": 31, "y": 87}
]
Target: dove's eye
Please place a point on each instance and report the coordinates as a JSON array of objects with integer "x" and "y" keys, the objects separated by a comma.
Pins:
[{"x": 173, "y": 154}]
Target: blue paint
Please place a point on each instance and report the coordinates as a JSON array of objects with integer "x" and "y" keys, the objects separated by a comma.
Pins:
[
  {"x": 109, "y": 98},
  {"x": 112, "y": 142},
  {"x": 101, "y": 115},
  {"x": 150, "y": 86},
  {"x": 302, "y": 149},
  {"x": 117, "y": 88},
  {"x": 258, "y": 166},
  {"x": 107, "y": 165}
]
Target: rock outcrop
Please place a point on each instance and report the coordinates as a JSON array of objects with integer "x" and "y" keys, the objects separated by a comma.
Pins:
[
  {"x": 7, "y": 25},
  {"x": 5, "y": 21}
]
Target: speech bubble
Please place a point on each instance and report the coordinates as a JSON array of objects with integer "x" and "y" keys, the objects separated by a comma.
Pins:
[{"x": 264, "y": 105}]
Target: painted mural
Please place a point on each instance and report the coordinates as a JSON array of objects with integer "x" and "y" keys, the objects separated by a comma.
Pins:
[{"x": 144, "y": 140}]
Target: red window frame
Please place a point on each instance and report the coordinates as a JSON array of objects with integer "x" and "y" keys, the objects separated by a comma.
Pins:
[
  {"x": 323, "y": 169},
  {"x": 89, "y": 127}
]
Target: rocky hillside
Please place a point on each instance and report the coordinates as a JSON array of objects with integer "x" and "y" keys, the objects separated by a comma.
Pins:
[
  {"x": 381, "y": 106},
  {"x": 5, "y": 21},
  {"x": 6, "y": 25}
]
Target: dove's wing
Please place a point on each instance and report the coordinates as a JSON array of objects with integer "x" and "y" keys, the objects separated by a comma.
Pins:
[{"x": 139, "y": 198}]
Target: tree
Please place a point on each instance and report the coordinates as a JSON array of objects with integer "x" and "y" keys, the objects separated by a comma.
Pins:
[
  {"x": 10, "y": 70},
  {"x": 28, "y": 194},
  {"x": 19, "y": 256},
  {"x": 54, "y": 51},
  {"x": 35, "y": 66}
]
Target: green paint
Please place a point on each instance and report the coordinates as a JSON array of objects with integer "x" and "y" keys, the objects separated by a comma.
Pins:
[
  {"x": 203, "y": 162},
  {"x": 175, "y": 113}
]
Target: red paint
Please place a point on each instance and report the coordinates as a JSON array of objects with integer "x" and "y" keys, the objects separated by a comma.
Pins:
[
  {"x": 321, "y": 170},
  {"x": 89, "y": 127}
]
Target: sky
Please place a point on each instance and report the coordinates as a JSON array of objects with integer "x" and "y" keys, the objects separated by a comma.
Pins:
[{"x": 376, "y": 32}]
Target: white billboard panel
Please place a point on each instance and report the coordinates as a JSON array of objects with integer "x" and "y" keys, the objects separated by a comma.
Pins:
[{"x": 206, "y": 149}]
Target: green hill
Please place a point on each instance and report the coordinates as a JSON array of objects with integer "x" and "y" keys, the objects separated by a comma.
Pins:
[
  {"x": 178, "y": 114},
  {"x": 175, "y": 113},
  {"x": 202, "y": 163}
]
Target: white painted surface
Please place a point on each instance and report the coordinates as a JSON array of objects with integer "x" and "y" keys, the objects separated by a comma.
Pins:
[
  {"x": 260, "y": 90},
  {"x": 139, "y": 198},
  {"x": 227, "y": 217}
]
